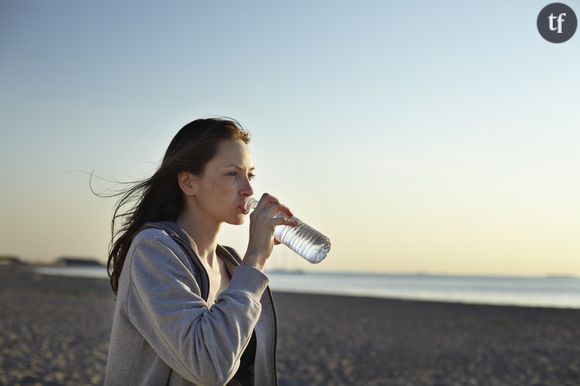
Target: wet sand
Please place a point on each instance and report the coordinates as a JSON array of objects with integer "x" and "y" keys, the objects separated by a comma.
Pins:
[{"x": 55, "y": 331}]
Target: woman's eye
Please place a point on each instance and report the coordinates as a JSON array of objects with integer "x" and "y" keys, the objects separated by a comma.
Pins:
[{"x": 234, "y": 173}]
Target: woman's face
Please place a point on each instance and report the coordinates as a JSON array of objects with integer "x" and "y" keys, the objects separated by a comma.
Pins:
[{"x": 225, "y": 183}]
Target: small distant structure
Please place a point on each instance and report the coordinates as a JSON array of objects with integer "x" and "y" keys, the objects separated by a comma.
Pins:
[
  {"x": 68, "y": 261},
  {"x": 11, "y": 260}
]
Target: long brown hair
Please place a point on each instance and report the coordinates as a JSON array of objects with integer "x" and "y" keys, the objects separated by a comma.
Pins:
[{"x": 159, "y": 197}]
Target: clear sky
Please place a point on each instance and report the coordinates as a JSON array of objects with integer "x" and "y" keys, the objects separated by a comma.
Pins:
[{"x": 440, "y": 137}]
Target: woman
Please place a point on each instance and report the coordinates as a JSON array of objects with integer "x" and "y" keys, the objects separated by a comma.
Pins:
[{"x": 188, "y": 310}]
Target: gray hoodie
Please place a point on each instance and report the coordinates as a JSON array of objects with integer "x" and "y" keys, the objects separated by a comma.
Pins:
[{"x": 164, "y": 332}]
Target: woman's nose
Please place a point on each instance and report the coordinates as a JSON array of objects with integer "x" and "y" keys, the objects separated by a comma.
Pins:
[{"x": 247, "y": 188}]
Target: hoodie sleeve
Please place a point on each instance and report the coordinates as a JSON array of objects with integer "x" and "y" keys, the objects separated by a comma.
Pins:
[{"x": 202, "y": 344}]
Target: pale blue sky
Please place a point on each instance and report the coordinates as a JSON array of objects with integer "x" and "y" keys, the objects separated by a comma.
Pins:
[{"x": 419, "y": 136}]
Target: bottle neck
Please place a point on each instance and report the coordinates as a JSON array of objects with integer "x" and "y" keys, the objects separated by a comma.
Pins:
[{"x": 250, "y": 204}]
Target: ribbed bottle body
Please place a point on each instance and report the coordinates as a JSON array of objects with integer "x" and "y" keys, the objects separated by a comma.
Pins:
[{"x": 304, "y": 240}]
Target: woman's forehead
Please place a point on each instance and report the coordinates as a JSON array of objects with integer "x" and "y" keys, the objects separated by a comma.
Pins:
[{"x": 233, "y": 153}]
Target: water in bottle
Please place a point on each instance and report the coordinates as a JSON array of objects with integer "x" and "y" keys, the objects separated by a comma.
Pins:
[{"x": 306, "y": 241}]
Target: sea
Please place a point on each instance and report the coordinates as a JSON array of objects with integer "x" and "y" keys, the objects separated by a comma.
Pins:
[{"x": 549, "y": 291}]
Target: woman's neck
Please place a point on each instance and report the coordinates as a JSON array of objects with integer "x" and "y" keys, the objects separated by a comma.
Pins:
[{"x": 204, "y": 234}]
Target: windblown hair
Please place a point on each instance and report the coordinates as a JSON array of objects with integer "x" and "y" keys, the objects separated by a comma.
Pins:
[{"x": 159, "y": 197}]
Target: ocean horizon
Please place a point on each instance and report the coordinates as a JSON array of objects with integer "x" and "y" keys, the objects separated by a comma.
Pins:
[{"x": 544, "y": 291}]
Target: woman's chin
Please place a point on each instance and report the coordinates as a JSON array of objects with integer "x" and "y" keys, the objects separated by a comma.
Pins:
[{"x": 238, "y": 220}]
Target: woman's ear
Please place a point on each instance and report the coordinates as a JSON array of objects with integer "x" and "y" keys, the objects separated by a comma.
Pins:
[{"x": 187, "y": 182}]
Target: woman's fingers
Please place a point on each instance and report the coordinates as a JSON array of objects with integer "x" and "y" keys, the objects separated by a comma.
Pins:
[
  {"x": 266, "y": 200},
  {"x": 284, "y": 209},
  {"x": 268, "y": 214},
  {"x": 270, "y": 207}
]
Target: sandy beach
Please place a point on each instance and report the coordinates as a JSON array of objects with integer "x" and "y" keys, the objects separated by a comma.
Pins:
[{"x": 55, "y": 331}]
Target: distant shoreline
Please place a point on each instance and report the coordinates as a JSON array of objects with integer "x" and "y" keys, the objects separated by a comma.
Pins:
[{"x": 442, "y": 289}]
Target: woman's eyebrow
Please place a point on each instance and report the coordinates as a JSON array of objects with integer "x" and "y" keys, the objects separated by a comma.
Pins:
[{"x": 238, "y": 167}]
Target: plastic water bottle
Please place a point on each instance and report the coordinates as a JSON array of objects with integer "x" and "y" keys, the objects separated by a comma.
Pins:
[{"x": 306, "y": 241}]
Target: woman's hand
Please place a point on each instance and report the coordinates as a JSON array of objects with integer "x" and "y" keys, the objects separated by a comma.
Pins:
[{"x": 263, "y": 219}]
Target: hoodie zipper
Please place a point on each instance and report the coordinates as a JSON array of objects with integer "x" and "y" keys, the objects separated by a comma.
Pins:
[{"x": 275, "y": 334}]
